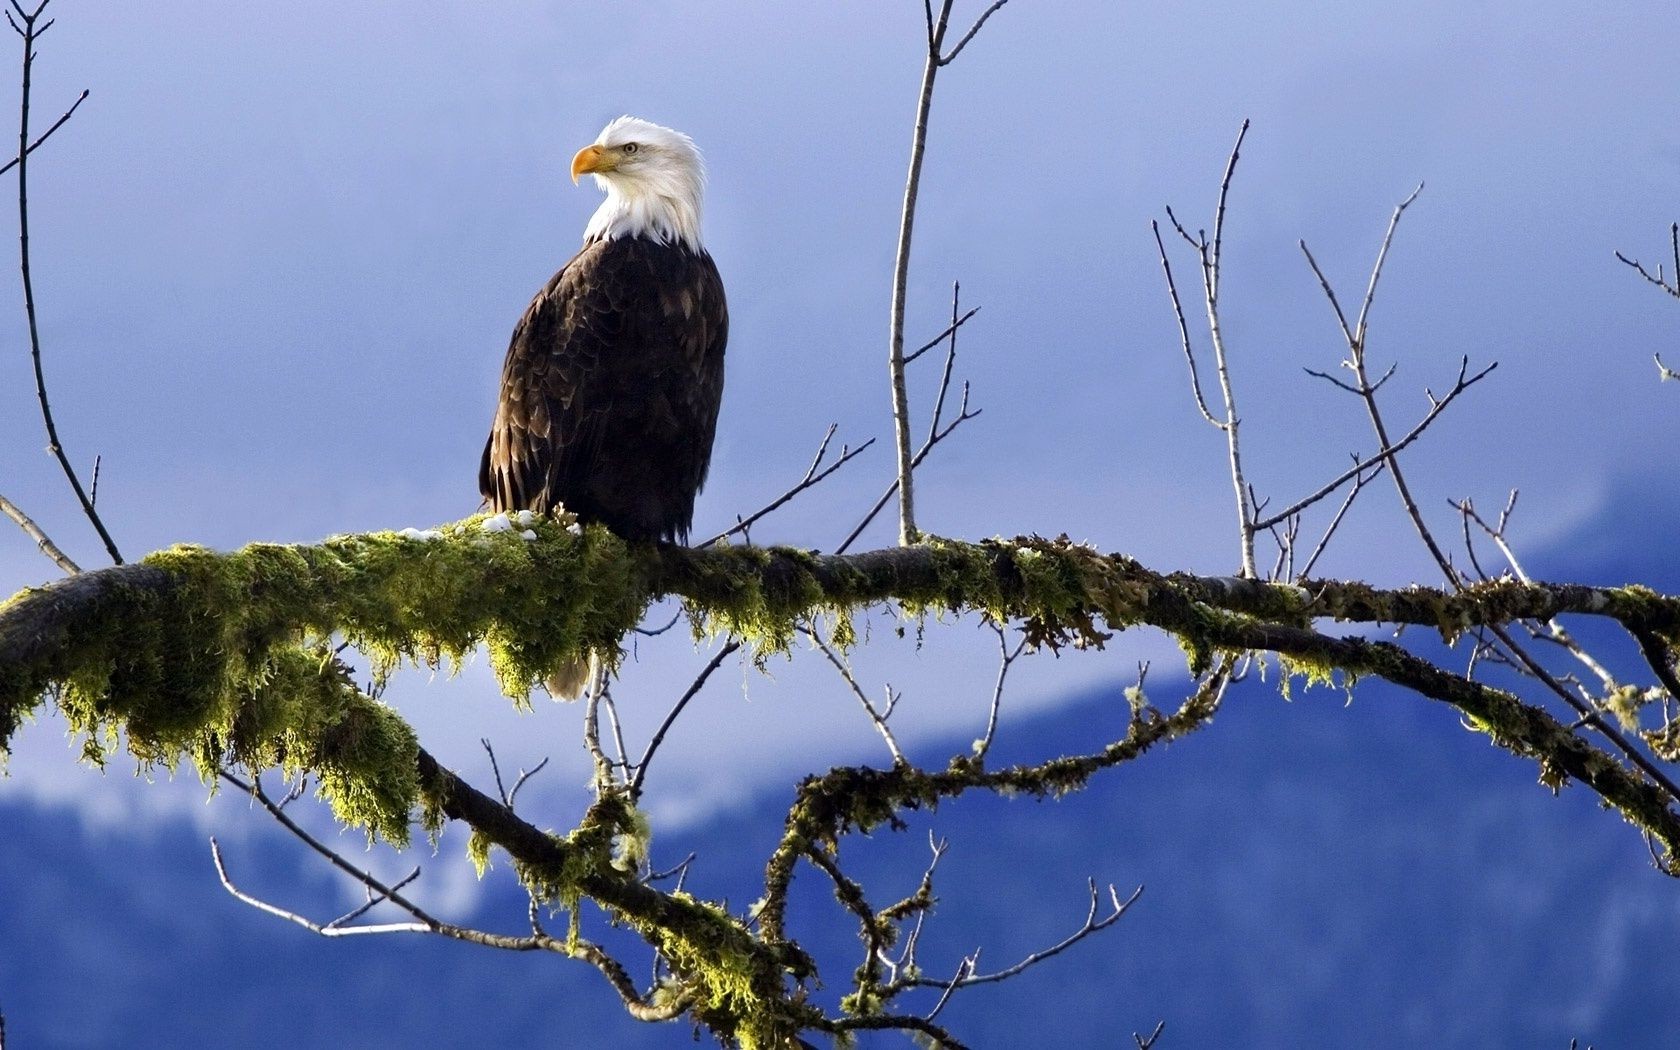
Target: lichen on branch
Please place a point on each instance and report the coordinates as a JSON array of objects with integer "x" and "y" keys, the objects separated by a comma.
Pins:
[{"x": 206, "y": 656}]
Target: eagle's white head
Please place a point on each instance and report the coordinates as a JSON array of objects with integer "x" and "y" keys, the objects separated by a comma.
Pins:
[{"x": 654, "y": 179}]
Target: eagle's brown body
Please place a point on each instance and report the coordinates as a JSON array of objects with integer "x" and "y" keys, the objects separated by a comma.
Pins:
[{"x": 610, "y": 392}]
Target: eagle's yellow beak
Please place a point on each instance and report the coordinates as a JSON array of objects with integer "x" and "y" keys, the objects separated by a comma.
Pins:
[{"x": 591, "y": 159}]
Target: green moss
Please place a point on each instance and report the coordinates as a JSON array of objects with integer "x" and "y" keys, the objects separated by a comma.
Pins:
[{"x": 234, "y": 659}]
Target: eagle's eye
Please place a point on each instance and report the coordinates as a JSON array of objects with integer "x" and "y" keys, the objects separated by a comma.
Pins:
[{"x": 631, "y": 147}]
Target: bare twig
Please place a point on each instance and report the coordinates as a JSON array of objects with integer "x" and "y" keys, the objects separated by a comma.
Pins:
[
  {"x": 1006, "y": 657},
  {"x": 638, "y": 1005},
  {"x": 934, "y": 438},
  {"x": 508, "y": 797},
  {"x": 1208, "y": 253},
  {"x": 951, "y": 56},
  {"x": 495, "y": 771},
  {"x": 1660, "y": 279},
  {"x": 935, "y": 1035},
  {"x": 942, "y": 336},
  {"x": 1438, "y": 405},
  {"x": 1359, "y": 482},
  {"x": 59, "y": 123},
  {"x": 813, "y": 475},
  {"x": 671, "y": 716},
  {"x": 655, "y": 632},
  {"x": 1183, "y": 328},
  {"x": 30, "y": 31},
  {"x": 42, "y": 541},
  {"x": 1093, "y": 924},
  {"x": 966, "y": 975},
  {"x": 878, "y": 718},
  {"x": 1147, "y": 1042},
  {"x": 950, "y": 363},
  {"x": 936, "y": 29},
  {"x": 1555, "y": 630}
]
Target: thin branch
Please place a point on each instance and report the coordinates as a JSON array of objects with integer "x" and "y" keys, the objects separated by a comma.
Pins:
[
  {"x": 1209, "y": 255},
  {"x": 1183, "y": 327},
  {"x": 950, "y": 363},
  {"x": 1359, "y": 483},
  {"x": 1367, "y": 392},
  {"x": 1659, "y": 278},
  {"x": 1210, "y": 280},
  {"x": 605, "y": 770},
  {"x": 496, "y": 771},
  {"x": 907, "y": 531},
  {"x": 963, "y": 416},
  {"x": 1557, "y": 632},
  {"x": 611, "y": 705},
  {"x": 1006, "y": 658},
  {"x": 29, "y": 32},
  {"x": 524, "y": 776},
  {"x": 373, "y": 900},
  {"x": 671, "y": 716},
  {"x": 59, "y": 123},
  {"x": 942, "y": 336},
  {"x": 34, "y": 532},
  {"x": 1092, "y": 925},
  {"x": 965, "y": 967},
  {"x": 635, "y": 1003},
  {"x": 325, "y": 930},
  {"x": 878, "y": 718},
  {"x": 813, "y": 476},
  {"x": 979, "y": 23},
  {"x": 937, "y": 1036},
  {"x": 655, "y": 632},
  {"x": 1439, "y": 405},
  {"x": 1376, "y": 270}
]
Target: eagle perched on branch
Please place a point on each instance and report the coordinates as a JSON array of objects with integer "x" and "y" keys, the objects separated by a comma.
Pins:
[{"x": 610, "y": 392}]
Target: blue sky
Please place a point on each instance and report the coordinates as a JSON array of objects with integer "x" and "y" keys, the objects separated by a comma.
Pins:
[{"x": 280, "y": 249}]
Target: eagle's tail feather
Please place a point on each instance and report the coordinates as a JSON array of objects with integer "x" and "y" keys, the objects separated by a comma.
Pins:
[{"x": 572, "y": 679}]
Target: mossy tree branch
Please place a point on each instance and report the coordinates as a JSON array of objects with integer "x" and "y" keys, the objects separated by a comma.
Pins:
[{"x": 212, "y": 657}]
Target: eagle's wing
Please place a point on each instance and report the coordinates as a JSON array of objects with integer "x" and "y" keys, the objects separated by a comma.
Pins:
[
  {"x": 610, "y": 393},
  {"x": 547, "y": 424}
]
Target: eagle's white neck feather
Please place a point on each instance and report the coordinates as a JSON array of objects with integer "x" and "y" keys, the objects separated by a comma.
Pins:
[{"x": 658, "y": 195}]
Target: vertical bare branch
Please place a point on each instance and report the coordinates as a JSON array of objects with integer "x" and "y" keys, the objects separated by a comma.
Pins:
[
  {"x": 937, "y": 25},
  {"x": 30, "y": 30},
  {"x": 1210, "y": 265},
  {"x": 1209, "y": 255}
]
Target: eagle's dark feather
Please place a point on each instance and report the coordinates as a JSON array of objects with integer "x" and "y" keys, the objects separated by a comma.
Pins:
[{"x": 611, "y": 388}]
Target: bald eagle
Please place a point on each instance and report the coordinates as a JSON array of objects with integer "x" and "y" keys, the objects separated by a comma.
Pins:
[{"x": 610, "y": 391}]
